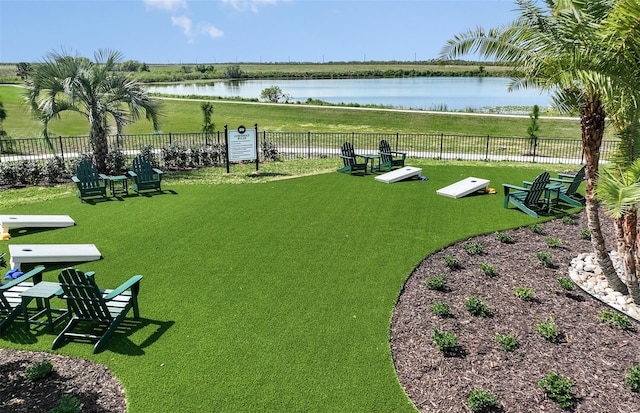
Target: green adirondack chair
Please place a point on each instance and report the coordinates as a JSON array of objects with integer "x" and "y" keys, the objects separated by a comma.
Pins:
[
  {"x": 11, "y": 305},
  {"x": 90, "y": 183},
  {"x": 389, "y": 158},
  {"x": 95, "y": 313},
  {"x": 529, "y": 199},
  {"x": 569, "y": 193},
  {"x": 145, "y": 176},
  {"x": 350, "y": 160}
]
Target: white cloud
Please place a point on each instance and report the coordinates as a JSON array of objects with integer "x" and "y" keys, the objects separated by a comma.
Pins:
[
  {"x": 166, "y": 4},
  {"x": 210, "y": 30},
  {"x": 244, "y": 5},
  {"x": 185, "y": 24}
]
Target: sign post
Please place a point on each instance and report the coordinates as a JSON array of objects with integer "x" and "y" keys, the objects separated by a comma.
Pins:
[{"x": 241, "y": 145}]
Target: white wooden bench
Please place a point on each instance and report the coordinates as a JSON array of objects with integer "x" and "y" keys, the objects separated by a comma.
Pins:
[
  {"x": 465, "y": 187},
  {"x": 33, "y": 221},
  {"x": 41, "y": 253}
]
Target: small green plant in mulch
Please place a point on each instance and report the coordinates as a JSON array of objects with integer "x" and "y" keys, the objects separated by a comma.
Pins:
[
  {"x": 39, "y": 370},
  {"x": 473, "y": 248},
  {"x": 558, "y": 389},
  {"x": 545, "y": 259},
  {"x": 504, "y": 237},
  {"x": 452, "y": 261},
  {"x": 446, "y": 342},
  {"x": 477, "y": 307},
  {"x": 585, "y": 233},
  {"x": 507, "y": 341},
  {"x": 441, "y": 309},
  {"x": 482, "y": 401},
  {"x": 488, "y": 270},
  {"x": 548, "y": 329},
  {"x": 553, "y": 242},
  {"x": 566, "y": 283},
  {"x": 524, "y": 293},
  {"x": 616, "y": 319},
  {"x": 633, "y": 379},
  {"x": 68, "y": 404},
  {"x": 436, "y": 282},
  {"x": 569, "y": 220},
  {"x": 537, "y": 228}
]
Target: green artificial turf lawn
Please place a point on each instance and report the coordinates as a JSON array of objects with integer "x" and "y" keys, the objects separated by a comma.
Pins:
[{"x": 269, "y": 297}]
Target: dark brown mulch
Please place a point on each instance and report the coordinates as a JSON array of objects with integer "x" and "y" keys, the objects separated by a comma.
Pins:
[
  {"x": 92, "y": 384},
  {"x": 593, "y": 355}
]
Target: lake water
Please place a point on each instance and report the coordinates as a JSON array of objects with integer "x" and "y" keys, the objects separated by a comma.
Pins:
[{"x": 428, "y": 93}]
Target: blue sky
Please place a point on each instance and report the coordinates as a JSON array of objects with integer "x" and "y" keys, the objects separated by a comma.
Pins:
[{"x": 221, "y": 31}]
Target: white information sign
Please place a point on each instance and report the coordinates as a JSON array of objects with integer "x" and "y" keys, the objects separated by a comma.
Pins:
[{"x": 242, "y": 145}]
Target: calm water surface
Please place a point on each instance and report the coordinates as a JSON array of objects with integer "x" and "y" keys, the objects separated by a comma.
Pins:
[{"x": 450, "y": 93}]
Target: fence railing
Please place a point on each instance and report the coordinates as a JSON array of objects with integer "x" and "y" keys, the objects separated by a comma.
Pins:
[{"x": 291, "y": 145}]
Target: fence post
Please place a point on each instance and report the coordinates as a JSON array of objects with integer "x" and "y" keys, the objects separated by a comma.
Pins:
[
  {"x": 170, "y": 138},
  {"x": 441, "y": 139},
  {"x": 486, "y": 150},
  {"x": 308, "y": 144},
  {"x": 61, "y": 148},
  {"x": 397, "y": 137},
  {"x": 535, "y": 149}
]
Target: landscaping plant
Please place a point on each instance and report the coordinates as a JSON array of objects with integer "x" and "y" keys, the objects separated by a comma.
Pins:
[
  {"x": 482, "y": 401},
  {"x": 558, "y": 389}
]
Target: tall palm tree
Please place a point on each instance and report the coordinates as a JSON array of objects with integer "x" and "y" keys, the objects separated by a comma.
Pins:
[
  {"x": 94, "y": 89},
  {"x": 566, "y": 47}
]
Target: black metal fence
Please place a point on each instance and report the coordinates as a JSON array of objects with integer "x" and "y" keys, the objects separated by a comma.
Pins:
[{"x": 292, "y": 145}]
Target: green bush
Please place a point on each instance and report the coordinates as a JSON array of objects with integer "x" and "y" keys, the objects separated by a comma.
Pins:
[
  {"x": 477, "y": 307},
  {"x": 548, "y": 329},
  {"x": 441, "y": 309},
  {"x": 39, "y": 370},
  {"x": 566, "y": 283},
  {"x": 446, "y": 342},
  {"x": 116, "y": 161},
  {"x": 558, "y": 389},
  {"x": 473, "y": 248},
  {"x": 149, "y": 154},
  {"x": 614, "y": 318},
  {"x": 585, "y": 233},
  {"x": 488, "y": 270},
  {"x": 507, "y": 341},
  {"x": 524, "y": 293},
  {"x": 452, "y": 261},
  {"x": 553, "y": 242},
  {"x": 436, "y": 282},
  {"x": 505, "y": 237},
  {"x": 482, "y": 401},
  {"x": 54, "y": 169},
  {"x": 567, "y": 219},
  {"x": 545, "y": 259},
  {"x": 633, "y": 379},
  {"x": 537, "y": 228},
  {"x": 68, "y": 404},
  {"x": 175, "y": 155}
]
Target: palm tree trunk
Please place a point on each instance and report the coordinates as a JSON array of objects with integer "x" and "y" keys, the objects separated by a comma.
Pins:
[
  {"x": 592, "y": 122},
  {"x": 100, "y": 145},
  {"x": 626, "y": 235}
]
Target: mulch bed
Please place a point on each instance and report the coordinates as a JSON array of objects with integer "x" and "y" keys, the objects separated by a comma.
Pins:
[{"x": 592, "y": 354}]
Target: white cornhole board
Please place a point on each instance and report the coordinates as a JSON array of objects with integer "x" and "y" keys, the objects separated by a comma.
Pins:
[
  {"x": 41, "y": 253},
  {"x": 33, "y": 221},
  {"x": 399, "y": 174},
  {"x": 465, "y": 187}
]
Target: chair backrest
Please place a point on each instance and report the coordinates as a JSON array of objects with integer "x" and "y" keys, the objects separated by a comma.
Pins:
[
  {"x": 537, "y": 189},
  {"x": 385, "y": 151},
  {"x": 348, "y": 153},
  {"x": 577, "y": 180},
  {"x": 87, "y": 174},
  {"x": 83, "y": 296},
  {"x": 143, "y": 168}
]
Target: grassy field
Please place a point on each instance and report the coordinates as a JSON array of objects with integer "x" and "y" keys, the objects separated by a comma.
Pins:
[
  {"x": 275, "y": 296},
  {"x": 183, "y": 115}
]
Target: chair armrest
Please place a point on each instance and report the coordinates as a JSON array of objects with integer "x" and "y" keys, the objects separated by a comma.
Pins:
[
  {"x": 131, "y": 282},
  {"x": 36, "y": 273},
  {"x": 75, "y": 179},
  {"x": 565, "y": 181},
  {"x": 566, "y": 176},
  {"x": 158, "y": 171},
  {"x": 133, "y": 174},
  {"x": 519, "y": 188},
  {"x": 348, "y": 157}
]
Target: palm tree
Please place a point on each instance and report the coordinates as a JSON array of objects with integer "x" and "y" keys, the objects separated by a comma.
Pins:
[
  {"x": 567, "y": 47},
  {"x": 94, "y": 89}
]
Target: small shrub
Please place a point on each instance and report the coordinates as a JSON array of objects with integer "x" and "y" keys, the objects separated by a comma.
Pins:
[
  {"x": 269, "y": 151},
  {"x": 505, "y": 237},
  {"x": 633, "y": 379},
  {"x": 29, "y": 172},
  {"x": 615, "y": 319},
  {"x": 39, "y": 370},
  {"x": 548, "y": 330},
  {"x": 489, "y": 270},
  {"x": 175, "y": 155},
  {"x": 567, "y": 219},
  {"x": 524, "y": 293},
  {"x": 566, "y": 283},
  {"x": 54, "y": 169},
  {"x": 116, "y": 160},
  {"x": 553, "y": 242},
  {"x": 437, "y": 282},
  {"x": 477, "y": 307},
  {"x": 473, "y": 248},
  {"x": 585, "y": 233},
  {"x": 150, "y": 155},
  {"x": 441, "y": 309},
  {"x": 84, "y": 156},
  {"x": 446, "y": 342},
  {"x": 558, "y": 389},
  {"x": 482, "y": 401},
  {"x": 8, "y": 173},
  {"x": 537, "y": 228},
  {"x": 545, "y": 259},
  {"x": 68, "y": 404},
  {"x": 452, "y": 261},
  {"x": 507, "y": 341}
]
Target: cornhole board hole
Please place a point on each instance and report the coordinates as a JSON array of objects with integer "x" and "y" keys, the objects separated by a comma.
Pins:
[
  {"x": 41, "y": 253},
  {"x": 33, "y": 221},
  {"x": 465, "y": 187},
  {"x": 399, "y": 174}
]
